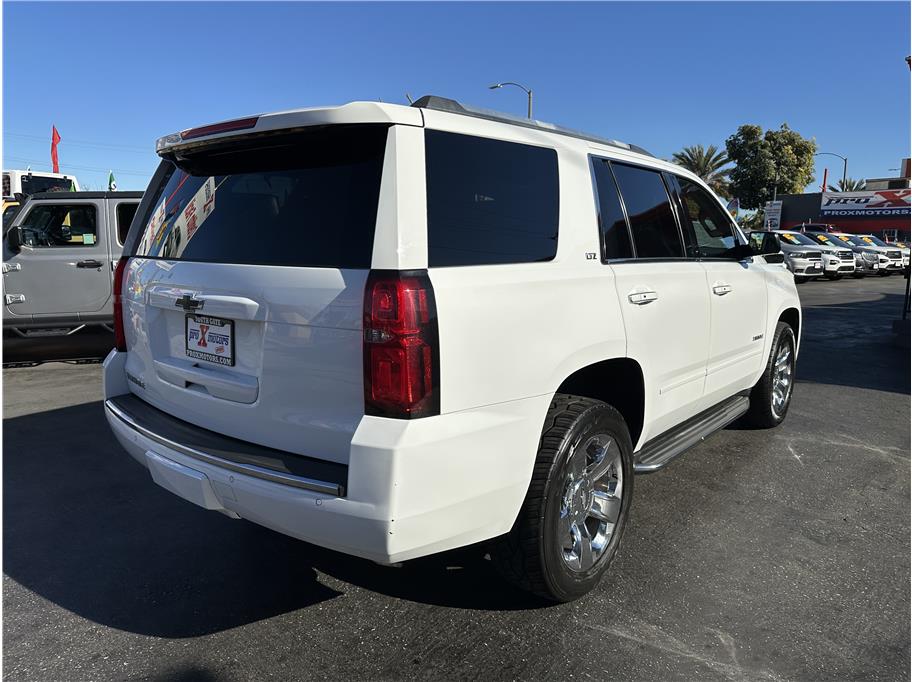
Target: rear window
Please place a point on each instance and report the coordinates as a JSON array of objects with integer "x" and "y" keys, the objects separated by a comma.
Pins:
[
  {"x": 302, "y": 199},
  {"x": 489, "y": 201}
]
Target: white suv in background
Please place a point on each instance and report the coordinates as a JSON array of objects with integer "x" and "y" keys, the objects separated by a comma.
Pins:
[{"x": 393, "y": 331}]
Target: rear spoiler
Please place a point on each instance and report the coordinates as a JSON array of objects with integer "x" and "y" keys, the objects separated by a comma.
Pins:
[{"x": 347, "y": 114}]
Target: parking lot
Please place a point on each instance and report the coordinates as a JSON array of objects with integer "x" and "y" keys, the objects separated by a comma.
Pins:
[{"x": 759, "y": 555}]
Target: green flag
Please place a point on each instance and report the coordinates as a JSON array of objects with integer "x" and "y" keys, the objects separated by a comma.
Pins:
[{"x": 112, "y": 183}]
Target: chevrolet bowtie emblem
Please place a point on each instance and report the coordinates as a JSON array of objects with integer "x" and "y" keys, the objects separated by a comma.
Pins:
[{"x": 188, "y": 303}]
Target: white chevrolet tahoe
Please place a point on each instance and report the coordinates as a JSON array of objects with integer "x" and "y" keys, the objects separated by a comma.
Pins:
[{"x": 393, "y": 331}]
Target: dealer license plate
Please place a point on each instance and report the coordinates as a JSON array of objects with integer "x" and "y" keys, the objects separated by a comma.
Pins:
[{"x": 210, "y": 339}]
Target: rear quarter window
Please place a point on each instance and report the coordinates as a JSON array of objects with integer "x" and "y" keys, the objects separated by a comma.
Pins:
[{"x": 489, "y": 201}]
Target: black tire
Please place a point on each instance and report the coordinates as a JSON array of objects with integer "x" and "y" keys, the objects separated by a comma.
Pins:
[
  {"x": 884, "y": 272},
  {"x": 858, "y": 275},
  {"x": 832, "y": 278},
  {"x": 762, "y": 414},
  {"x": 801, "y": 280},
  {"x": 531, "y": 555}
]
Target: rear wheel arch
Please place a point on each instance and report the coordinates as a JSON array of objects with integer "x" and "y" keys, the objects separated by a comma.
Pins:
[{"x": 618, "y": 382}]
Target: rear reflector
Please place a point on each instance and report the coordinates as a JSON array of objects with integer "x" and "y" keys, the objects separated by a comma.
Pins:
[
  {"x": 226, "y": 127},
  {"x": 401, "y": 350},
  {"x": 120, "y": 338}
]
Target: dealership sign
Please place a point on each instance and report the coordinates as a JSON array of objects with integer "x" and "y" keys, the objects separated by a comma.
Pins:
[
  {"x": 772, "y": 215},
  {"x": 874, "y": 204}
]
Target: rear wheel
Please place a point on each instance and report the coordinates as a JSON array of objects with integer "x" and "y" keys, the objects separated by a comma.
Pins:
[
  {"x": 772, "y": 394},
  {"x": 574, "y": 514}
]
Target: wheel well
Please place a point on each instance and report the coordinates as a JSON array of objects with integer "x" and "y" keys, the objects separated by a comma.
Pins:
[
  {"x": 791, "y": 317},
  {"x": 618, "y": 382}
]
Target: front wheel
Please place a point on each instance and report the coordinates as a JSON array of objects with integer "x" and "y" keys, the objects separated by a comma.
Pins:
[
  {"x": 575, "y": 510},
  {"x": 772, "y": 394}
]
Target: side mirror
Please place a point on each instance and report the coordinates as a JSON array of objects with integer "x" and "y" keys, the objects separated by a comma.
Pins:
[
  {"x": 769, "y": 248},
  {"x": 742, "y": 252},
  {"x": 14, "y": 239}
]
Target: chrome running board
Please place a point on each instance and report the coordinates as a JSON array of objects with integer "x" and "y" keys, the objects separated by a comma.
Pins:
[{"x": 659, "y": 451}]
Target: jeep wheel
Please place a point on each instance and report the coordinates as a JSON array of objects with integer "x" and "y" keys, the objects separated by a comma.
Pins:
[
  {"x": 574, "y": 514},
  {"x": 772, "y": 394}
]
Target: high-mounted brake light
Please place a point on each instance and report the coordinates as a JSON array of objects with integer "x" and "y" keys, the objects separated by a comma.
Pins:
[
  {"x": 120, "y": 338},
  {"x": 226, "y": 127},
  {"x": 401, "y": 350}
]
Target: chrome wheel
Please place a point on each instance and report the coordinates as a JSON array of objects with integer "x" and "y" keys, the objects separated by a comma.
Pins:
[
  {"x": 782, "y": 376},
  {"x": 591, "y": 503}
]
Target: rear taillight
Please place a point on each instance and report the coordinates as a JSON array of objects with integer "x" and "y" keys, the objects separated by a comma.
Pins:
[
  {"x": 120, "y": 339},
  {"x": 401, "y": 352}
]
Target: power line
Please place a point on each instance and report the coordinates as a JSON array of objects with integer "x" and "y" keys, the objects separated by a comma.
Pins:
[
  {"x": 83, "y": 143},
  {"x": 22, "y": 159}
]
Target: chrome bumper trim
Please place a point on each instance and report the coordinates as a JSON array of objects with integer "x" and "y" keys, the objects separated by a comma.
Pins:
[{"x": 248, "y": 470}]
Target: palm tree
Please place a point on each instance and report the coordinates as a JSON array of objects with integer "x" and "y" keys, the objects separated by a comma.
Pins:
[
  {"x": 847, "y": 185},
  {"x": 707, "y": 163}
]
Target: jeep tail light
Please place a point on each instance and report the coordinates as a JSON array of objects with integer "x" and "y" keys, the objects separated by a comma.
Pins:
[
  {"x": 120, "y": 339},
  {"x": 401, "y": 350}
]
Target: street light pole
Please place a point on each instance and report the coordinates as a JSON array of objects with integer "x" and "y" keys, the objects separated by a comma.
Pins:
[
  {"x": 528, "y": 92},
  {"x": 845, "y": 166}
]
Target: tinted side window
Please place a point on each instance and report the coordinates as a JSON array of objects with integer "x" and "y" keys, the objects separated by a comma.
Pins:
[
  {"x": 652, "y": 222},
  {"x": 612, "y": 223},
  {"x": 56, "y": 225},
  {"x": 489, "y": 201},
  {"x": 125, "y": 213},
  {"x": 711, "y": 226}
]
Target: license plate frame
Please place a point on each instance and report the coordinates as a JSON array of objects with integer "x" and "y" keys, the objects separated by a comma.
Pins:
[{"x": 225, "y": 357}]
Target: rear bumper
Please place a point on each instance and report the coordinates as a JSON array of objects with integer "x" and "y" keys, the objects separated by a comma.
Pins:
[{"x": 411, "y": 488}]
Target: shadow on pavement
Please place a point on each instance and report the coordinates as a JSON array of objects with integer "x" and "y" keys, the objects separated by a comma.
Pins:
[
  {"x": 86, "y": 528},
  {"x": 852, "y": 344}
]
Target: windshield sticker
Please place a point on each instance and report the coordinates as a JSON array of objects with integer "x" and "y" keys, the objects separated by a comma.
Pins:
[
  {"x": 792, "y": 239},
  {"x": 867, "y": 239},
  {"x": 822, "y": 239}
]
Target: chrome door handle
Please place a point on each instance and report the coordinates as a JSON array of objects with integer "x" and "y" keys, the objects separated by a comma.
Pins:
[
  {"x": 12, "y": 267},
  {"x": 14, "y": 298},
  {"x": 721, "y": 289},
  {"x": 642, "y": 297}
]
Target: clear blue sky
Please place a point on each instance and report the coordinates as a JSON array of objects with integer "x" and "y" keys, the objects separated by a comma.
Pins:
[{"x": 115, "y": 76}]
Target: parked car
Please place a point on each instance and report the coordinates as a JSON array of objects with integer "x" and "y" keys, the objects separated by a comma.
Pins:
[
  {"x": 393, "y": 331},
  {"x": 58, "y": 261},
  {"x": 899, "y": 257},
  {"x": 869, "y": 252},
  {"x": 838, "y": 259},
  {"x": 803, "y": 257}
]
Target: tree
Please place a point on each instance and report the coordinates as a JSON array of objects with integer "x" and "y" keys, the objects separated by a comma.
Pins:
[
  {"x": 777, "y": 159},
  {"x": 751, "y": 222},
  {"x": 706, "y": 163},
  {"x": 847, "y": 185}
]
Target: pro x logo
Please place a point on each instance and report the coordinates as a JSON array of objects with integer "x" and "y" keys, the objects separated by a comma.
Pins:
[{"x": 204, "y": 328}]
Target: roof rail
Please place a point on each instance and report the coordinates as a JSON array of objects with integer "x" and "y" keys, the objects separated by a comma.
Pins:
[{"x": 452, "y": 106}]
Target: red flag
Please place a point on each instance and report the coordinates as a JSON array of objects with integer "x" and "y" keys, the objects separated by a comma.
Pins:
[{"x": 55, "y": 138}]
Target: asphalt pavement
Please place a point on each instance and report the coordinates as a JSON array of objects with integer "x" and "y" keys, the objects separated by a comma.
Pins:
[{"x": 759, "y": 555}]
